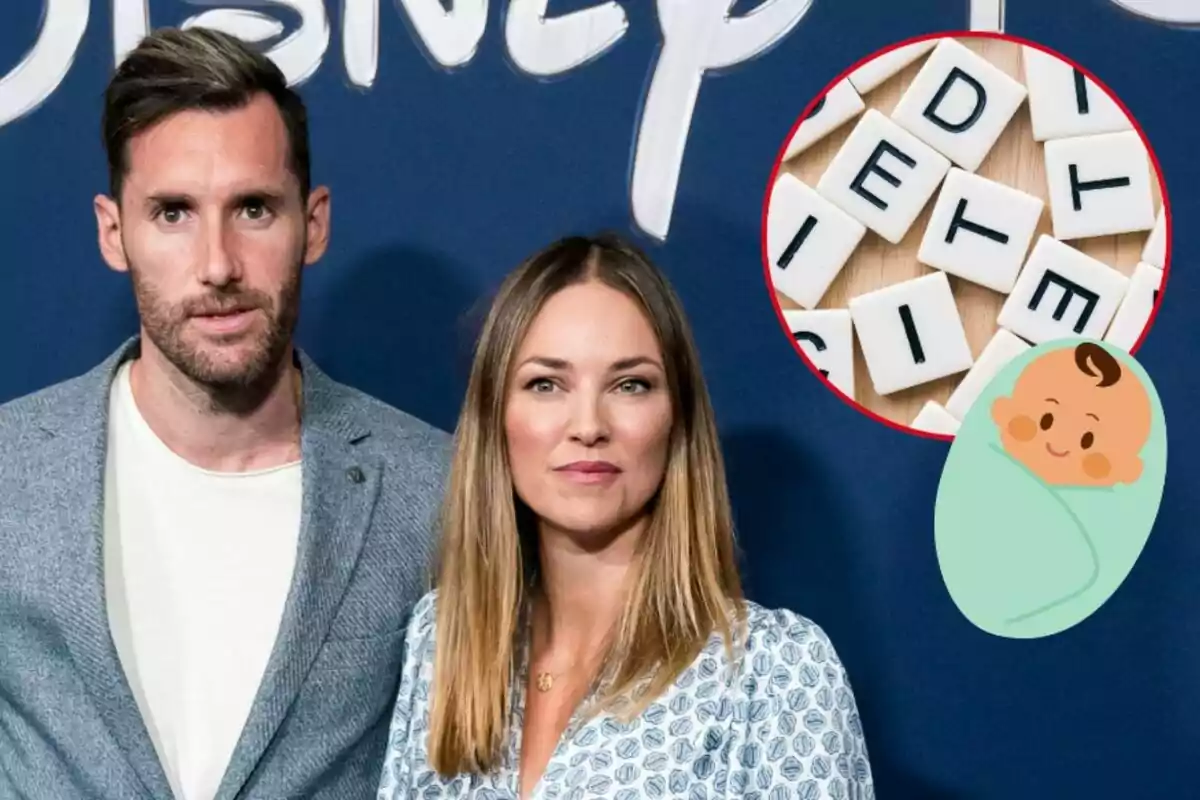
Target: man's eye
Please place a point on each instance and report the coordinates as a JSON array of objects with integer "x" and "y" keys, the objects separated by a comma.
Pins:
[
  {"x": 255, "y": 211},
  {"x": 171, "y": 215}
]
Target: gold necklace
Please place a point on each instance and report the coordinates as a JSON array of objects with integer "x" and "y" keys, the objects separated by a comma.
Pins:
[{"x": 546, "y": 679}]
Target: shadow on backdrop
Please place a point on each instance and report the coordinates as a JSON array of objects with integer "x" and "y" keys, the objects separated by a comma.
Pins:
[
  {"x": 397, "y": 324},
  {"x": 796, "y": 549}
]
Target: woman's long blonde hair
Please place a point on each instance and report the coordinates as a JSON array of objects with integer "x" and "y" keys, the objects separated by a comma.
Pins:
[{"x": 685, "y": 583}]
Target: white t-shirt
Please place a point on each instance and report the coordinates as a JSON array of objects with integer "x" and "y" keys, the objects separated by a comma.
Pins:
[{"x": 197, "y": 569}]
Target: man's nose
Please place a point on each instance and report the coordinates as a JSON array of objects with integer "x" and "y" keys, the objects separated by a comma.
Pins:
[{"x": 219, "y": 264}]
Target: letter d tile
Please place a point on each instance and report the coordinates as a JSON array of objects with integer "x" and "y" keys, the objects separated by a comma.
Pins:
[{"x": 959, "y": 104}]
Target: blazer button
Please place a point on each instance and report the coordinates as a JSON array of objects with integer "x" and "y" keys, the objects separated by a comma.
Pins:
[{"x": 355, "y": 474}]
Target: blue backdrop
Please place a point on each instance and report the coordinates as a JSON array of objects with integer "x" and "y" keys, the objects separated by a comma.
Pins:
[{"x": 443, "y": 179}]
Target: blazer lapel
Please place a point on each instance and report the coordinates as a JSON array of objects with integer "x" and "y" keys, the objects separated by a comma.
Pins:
[
  {"x": 78, "y": 521},
  {"x": 339, "y": 491}
]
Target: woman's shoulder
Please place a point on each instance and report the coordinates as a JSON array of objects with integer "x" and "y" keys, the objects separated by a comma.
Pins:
[
  {"x": 788, "y": 647},
  {"x": 769, "y": 627},
  {"x": 421, "y": 620}
]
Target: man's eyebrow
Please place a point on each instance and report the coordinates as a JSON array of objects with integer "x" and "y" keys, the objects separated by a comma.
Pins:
[
  {"x": 266, "y": 193},
  {"x": 269, "y": 194},
  {"x": 1051, "y": 400},
  {"x": 1093, "y": 416},
  {"x": 169, "y": 199}
]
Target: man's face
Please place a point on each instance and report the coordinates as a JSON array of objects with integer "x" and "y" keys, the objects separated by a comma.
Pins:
[
  {"x": 1069, "y": 430},
  {"x": 214, "y": 232}
]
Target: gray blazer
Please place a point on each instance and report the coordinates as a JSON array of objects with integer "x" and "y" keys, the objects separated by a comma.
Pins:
[{"x": 69, "y": 725}]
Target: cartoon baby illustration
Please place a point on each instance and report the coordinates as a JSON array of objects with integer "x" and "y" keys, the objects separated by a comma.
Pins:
[
  {"x": 1050, "y": 489},
  {"x": 1076, "y": 418}
]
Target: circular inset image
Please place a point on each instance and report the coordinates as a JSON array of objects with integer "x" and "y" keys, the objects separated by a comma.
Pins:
[{"x": 949, "y": 203}]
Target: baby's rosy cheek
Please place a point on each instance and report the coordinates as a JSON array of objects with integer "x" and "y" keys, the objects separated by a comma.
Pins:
[
  {"x": 1096, "y": 466},
  {"x": 1022, "y": 428}
]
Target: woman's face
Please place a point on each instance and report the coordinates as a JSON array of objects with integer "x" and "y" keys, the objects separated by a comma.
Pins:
[{"x": 588, "y": 417}]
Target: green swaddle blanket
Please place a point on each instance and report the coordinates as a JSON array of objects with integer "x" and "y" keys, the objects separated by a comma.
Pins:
[{"x": 1023, "y": 556}]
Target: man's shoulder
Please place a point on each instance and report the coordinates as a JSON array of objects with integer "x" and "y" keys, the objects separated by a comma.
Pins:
[
  {"x": 401, "y": 440},
  {"x": 26, "y": 415}
]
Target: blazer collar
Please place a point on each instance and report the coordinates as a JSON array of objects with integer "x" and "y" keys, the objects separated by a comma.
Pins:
[
  {"x": 84, "y": 410},
  {"x": 340, "y": 486}
]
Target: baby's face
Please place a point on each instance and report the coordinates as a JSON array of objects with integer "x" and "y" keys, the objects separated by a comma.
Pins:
[{"x": 1069, "y": 430}]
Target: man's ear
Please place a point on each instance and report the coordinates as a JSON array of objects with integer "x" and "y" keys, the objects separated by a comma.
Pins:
[
  {"x": 108, "y": 231},
  {"x": 317, "y": 212}
]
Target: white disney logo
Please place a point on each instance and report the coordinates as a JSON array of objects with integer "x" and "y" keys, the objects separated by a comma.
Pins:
[{"x": 697, "y": 36}]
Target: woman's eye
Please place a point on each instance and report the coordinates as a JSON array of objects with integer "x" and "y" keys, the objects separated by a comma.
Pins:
[
  {"x": 1046, "y": 421},
  {"x": 633, "y": 386},
  {"x": 540, "y": 385},
  {"x": 1087, "y": 440}
]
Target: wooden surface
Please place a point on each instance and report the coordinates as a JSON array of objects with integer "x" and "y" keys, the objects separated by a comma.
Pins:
[{"x": 1015, "y": 160}]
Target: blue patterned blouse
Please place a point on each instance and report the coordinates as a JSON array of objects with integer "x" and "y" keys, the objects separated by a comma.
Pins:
[{"x": 784, "y": 724}]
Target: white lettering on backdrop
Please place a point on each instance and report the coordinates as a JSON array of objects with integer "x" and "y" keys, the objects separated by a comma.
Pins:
[
  {"x": 542, "y": 47},
  {"x": 30, "y": 82},
  {"x": 1174, "y": 12},
  {"x": 697, "y": 36},
  {"x": 987, "y": 15}
]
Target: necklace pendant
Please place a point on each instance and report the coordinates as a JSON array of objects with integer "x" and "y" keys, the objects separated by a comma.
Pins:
[{"x": 545, "y": 681}]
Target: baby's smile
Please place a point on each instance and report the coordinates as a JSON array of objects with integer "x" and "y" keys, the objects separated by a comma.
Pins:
[{"x": 1050, "y": 449}]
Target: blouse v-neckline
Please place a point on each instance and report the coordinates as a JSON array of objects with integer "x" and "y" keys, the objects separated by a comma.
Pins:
[{"x": 577, "y": 722}]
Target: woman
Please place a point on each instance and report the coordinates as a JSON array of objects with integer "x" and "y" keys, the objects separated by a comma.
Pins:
[{"x": 588, "y": 636}]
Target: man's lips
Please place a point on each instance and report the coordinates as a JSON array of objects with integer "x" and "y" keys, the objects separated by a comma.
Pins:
[
  {"x": 1055, "y": 453},
  {"x": 230, "y": 320},
  {"x": 221, "y": 312}
]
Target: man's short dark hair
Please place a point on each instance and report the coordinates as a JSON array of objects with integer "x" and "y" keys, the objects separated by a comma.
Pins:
[
  {"x": 173, "y": 70},
  {"x": 1109, "y": 369}
]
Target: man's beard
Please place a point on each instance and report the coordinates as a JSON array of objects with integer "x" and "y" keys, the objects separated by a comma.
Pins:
[{"x": 229, "y": 382}]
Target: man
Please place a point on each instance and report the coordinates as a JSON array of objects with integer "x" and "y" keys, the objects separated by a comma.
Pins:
[{"x": 208, "y": 548}]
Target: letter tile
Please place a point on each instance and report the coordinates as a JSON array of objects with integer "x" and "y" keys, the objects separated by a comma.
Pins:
[
  {"x": 809, "y": 239},
  {"x": 959, "y": 104},
  {"x": 1135, "y": 309},
  {"x": 1062, "y": 292},
  {"x": 1063, "y": 102},
  {"x": 839, "y": 105},
  {"x": 883, "y": 176},
  {"x": 827, "y": 338},
  {"x": 932, "y": 418},
  {"x": 980, "y": 230},
  {"x": 910, "y": 333},
  {"x": 879, "y": 69},
  {"x": 1155, "y": 251},
  {"x": 1099, "y": 185},
  {"x": 1003, "y": 347}
]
